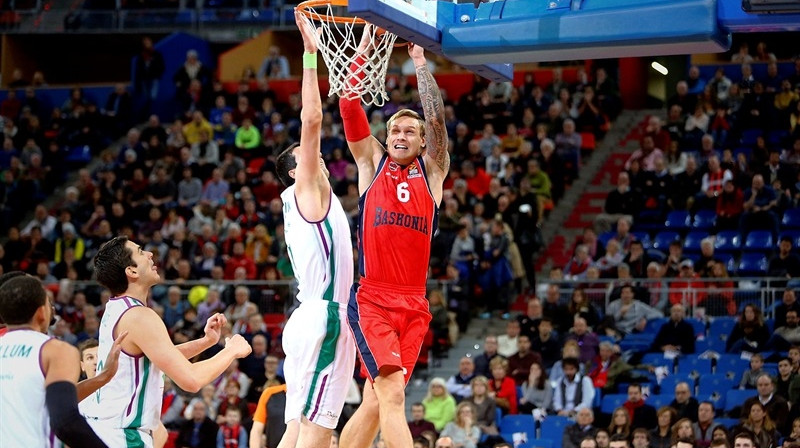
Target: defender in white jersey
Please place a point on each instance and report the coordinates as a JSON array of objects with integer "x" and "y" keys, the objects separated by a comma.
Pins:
[
  {"x": 320, "y": 351},
  {"x": 38, "y": 396},
  {"x": 127, "y": 409}
]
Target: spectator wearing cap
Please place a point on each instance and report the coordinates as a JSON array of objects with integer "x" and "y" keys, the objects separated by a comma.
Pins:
[
  {"x": 687, "y": 289},
  {"x": 785, "y": 264},
  {"x": 192, "y": 69},
  {"x": 69, "y": 240}
]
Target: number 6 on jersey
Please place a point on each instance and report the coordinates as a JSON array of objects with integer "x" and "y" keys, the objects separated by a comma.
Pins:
[{"x": 402, "y": 192}]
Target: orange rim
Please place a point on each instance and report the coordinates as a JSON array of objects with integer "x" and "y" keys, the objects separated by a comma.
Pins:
[{"x": 304, "y": 9}]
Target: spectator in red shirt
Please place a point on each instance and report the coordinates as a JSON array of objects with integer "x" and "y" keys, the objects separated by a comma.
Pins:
[
  {"x": 730, "y": 205},
  {"x": 239, "y": 259},
  {"x": 502, "y": 387},
  {"x": 687, "y": 289},
  {"x": 477, "y": 179}
]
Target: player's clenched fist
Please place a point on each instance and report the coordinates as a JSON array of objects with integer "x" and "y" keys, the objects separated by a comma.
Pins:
[{"x": 239, "y": 346}]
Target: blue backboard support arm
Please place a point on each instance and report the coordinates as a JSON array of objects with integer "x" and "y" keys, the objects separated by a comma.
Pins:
[{"x": 415, "y": 30}]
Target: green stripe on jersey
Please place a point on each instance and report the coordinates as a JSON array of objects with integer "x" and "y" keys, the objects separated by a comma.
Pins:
[
  {"x": 137, "y": 420},
  {"x": 133, "y": 439},
  {"x": 327, "y": 352},
  {"x": 328, "y": 295}
]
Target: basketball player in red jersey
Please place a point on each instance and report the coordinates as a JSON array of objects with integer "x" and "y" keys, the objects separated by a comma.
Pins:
[{"x": 401, "y": 189}]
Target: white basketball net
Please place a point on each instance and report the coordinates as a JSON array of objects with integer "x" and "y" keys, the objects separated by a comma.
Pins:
[{"x": 338, "y": 44}]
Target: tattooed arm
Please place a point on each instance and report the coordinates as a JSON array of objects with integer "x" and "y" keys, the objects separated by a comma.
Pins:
[{"x": 436, "y": 156}]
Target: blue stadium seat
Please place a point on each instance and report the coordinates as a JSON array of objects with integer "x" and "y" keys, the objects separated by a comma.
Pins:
[
  {"x": 703, "y": 345},
  {"x": 658, "y": 360},
  {"x": 694, "y": 366},
  {"x": 553, "y": 427},
  {"x": 720, "y": 328},
  {"x": 759, "y": 240},
  {"x": 704, "y": 219},
  {"x": 749, "y": 136},
  {"x": 663, "y": 239},
  {"x": 540, "y": 443},
  {"x": 748, "y": 152},
  {"x": 657, "y": 401},
  {"x": 727, "y": 422},
  {"x": 715, "y": 382},
  {"x": 605, "y": 236},
  {"x": 654, "y": 325},
  {"x": 732, "y": 366},
  {"x": 735, "y": 398},
  {"x": 668, "y": 384},
  {"x": 728, "y": 240},
  {"x": 611, "y": 402},
  {"x": 691, "y": 244},
  {"x": 698, "y": 326},
  {"x": 775, "y": 137},
  {"x": 727, "y": 258},
  {"x": 644, "y": 237},
  {"x": 657, "y": 255},
  {"x": 518, "y": 423},
  {"x": 791, "y": 219},
  {"x": 679, "y": 220},
  {"x": 752, "y": 265},
  {"x": 717, "y": 398}
]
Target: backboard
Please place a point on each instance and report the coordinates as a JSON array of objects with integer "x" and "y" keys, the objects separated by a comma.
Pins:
[{"x": 488, "y": 37}]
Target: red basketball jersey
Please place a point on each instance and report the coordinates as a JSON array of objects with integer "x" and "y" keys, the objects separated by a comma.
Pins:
[{"x": 398, "y": 217}]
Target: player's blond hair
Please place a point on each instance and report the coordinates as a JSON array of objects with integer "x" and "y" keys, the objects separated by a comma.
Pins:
[{"x": 407, "y": 113}]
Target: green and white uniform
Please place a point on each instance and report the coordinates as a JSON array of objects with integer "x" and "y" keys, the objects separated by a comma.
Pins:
[
  {"x": 128, "y": 408},
  {"x": 24, "y": 420},
  {"x": 320, "y": 351}
]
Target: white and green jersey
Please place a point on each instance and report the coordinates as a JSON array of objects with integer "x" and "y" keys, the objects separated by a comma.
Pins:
[
  {"x": 131, "y": 401},
  {"x": 321, "y": 252},
  {"x": 24, "y": 421}
]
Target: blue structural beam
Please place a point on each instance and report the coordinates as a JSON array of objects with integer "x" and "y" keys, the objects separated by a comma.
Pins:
[
  {"x": 415, "y": 30},
  {"x": 489, "y": 38},
  {"x": 734, "y": 19},
  {"x": 525, "y": 31}
]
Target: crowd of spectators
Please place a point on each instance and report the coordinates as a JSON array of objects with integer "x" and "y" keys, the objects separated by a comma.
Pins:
[{"x": 201, "y": 193}]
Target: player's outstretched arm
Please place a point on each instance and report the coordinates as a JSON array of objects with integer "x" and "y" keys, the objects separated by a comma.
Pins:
[
  {"x": 90, "y": 385},
  {"x": 312, "y": 188},
  {"x": 362, "y": 145},
  {"x": 148, "y": 334},
  {"x": 433, "y": 107},
  {"x": 61, "y": 363}
]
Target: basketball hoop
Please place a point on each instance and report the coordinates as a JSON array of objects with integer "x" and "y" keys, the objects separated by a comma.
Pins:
[{"x": 338, "y": 44}]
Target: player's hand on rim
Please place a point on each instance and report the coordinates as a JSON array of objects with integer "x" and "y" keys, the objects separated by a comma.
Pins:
[
  {"x": 417, "y": 53},
  {"x": 308, "y": 32}
]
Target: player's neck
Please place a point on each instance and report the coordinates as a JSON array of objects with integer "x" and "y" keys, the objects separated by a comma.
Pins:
[
  {"x": 138, "y": 292},
  {"x": 29, "y": 326}
]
